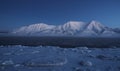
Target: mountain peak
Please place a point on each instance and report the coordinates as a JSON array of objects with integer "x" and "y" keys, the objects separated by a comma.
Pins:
[
  {"x": 72, "y": 22},
  {"x": 74, "y": 25},
  {"x": 95, "y": 23},
  {"x": 96, "y": 27},
  {"x": 38, "y": 25}
]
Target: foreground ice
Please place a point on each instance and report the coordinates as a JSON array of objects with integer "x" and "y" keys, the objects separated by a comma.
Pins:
[{"x": 48, "y": 58}]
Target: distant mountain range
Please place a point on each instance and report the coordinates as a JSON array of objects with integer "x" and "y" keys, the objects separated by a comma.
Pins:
[{"x": 71, "y": 28}]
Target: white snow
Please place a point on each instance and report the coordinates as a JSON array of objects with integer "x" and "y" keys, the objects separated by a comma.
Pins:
[
  {"x": 74, "y": 25},
  {"x": 49, "y": 58},
  {"x": 96, "y": 27},
  {"x": 34, "y": 28},
  {"x": 8, "y": 62}
]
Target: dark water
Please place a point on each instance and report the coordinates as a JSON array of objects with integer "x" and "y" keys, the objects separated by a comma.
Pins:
[{"x": 60, "y": 41}]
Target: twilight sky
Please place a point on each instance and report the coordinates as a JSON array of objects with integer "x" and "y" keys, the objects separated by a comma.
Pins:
[{"x": 17, "y": 13}]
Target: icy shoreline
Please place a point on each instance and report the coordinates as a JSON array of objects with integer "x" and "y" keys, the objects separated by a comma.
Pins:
[{"x": 49, "y": 58}]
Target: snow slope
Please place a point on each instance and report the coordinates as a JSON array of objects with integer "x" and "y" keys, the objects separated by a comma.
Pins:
[
  {"x": 49, "y": 58},
  {"x": 74, "y": 28}
]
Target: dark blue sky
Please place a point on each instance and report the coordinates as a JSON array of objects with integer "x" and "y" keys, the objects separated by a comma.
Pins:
[{"x": 17, "y": 13}]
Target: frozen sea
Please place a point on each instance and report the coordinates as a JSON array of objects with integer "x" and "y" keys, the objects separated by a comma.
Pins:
[{"x": 52, "y": 58}]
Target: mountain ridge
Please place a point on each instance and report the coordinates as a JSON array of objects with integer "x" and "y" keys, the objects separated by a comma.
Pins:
[{"x": 74, "y": 28}]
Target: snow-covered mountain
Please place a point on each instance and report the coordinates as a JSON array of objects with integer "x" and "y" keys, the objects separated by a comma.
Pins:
[
  {"x": 117, "y": 30},
  {"x": 74, "y": 28}
]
